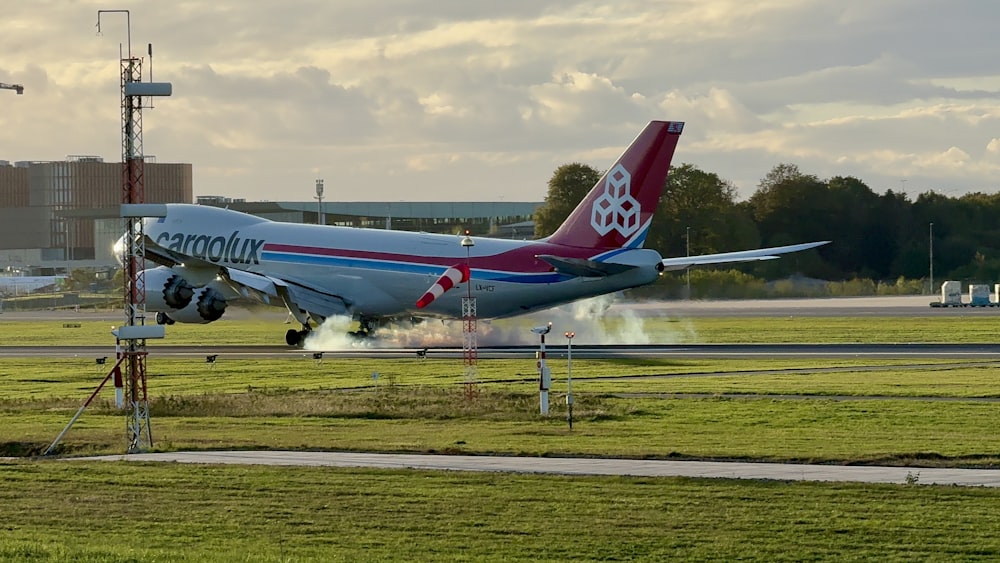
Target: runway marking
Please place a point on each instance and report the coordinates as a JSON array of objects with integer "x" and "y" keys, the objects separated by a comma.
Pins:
[
  {"x": 773, "y": 371},
  {"x": 802, "y": 397}
]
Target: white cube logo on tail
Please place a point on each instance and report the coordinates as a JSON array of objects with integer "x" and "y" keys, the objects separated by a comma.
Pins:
[{"x": 616, "y": 209}]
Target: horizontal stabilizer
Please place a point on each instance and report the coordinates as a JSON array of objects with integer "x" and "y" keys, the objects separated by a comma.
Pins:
[
  {"x": 740, "y": 256},
  {"x": 584, "y": 268}
]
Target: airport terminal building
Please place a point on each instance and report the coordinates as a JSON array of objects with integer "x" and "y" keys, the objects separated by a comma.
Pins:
[
  {"x": 505, "y": 219},
  {"x": 63, "y": 215}
]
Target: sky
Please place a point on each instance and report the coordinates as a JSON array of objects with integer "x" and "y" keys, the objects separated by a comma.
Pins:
[{"x": 465, "y": 100}]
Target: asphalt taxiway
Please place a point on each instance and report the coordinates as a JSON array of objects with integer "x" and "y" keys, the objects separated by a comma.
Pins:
[
  {"x": 873, "y": 306},
  {"x": 584, "y": 466},
  {"x": 648, "y": 351}
]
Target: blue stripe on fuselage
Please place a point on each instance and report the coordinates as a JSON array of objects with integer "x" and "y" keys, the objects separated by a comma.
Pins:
[{"x": 406, "y": 267}]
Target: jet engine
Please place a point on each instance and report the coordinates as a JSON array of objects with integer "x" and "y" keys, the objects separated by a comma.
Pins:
[
  {"x": 175, "y": 299},
  {"x": 207, "y": 305},
  {"x": 166, "y": 290}
]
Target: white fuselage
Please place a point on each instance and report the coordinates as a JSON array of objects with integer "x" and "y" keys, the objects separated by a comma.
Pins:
[{"x": 381, "y": 273}]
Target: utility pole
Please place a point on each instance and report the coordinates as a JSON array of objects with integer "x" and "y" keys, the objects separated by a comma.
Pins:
[
  {"x": 319, "y": 195},
  {"x": 687, "y": 244},
  {"x": 931, "y": 253}
]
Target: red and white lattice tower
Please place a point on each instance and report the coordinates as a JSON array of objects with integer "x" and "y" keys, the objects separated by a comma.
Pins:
[
  {"x": 134, "y": 352},
  {"x": 470, "y": 345},
  {"x": 132, "y": 355}
]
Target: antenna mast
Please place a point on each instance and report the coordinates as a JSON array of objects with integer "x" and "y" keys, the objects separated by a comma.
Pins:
[{"x": 134, "y": 332}]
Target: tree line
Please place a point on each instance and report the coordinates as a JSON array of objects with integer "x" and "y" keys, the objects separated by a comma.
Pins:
[{"x": 883, "y": 237}]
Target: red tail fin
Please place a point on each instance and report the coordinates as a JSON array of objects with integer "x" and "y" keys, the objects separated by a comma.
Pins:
[{"x": 617, "y": 212}]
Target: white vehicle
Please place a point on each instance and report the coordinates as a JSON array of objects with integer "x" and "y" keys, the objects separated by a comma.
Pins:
[{"x": 210, "y": 255}]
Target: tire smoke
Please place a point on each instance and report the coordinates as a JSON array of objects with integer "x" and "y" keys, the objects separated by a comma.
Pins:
[{"x": 600, "y": 320}]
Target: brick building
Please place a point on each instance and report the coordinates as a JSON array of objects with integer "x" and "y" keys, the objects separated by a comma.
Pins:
[{"x": 54, "y": 213}]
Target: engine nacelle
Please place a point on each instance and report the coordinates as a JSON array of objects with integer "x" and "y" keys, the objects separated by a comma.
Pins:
[
  {"x": 166, "y": 290},
  {"x": 207, "y": 305}
]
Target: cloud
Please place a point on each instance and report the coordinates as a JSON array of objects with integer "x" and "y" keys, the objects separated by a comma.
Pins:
[{"x": 408, "y": 97}]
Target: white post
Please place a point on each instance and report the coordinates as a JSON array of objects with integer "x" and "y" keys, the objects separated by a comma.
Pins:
[{"x": 544, "y": 375}]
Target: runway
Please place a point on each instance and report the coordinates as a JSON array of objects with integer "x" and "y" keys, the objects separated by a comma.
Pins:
[
  {"x": 872, "y": 306},
  {"x": 648, "y": 351},
  {"x": 585, "y": 466},
  {"x": 875, "y": 306}
]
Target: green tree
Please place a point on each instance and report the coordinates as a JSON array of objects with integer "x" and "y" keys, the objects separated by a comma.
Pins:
[
  {"x": 702, "y": 205},
  {"x": 79, "y": 280},
  {"x": 781, "y": 173},
  {"x": 863, "y": 248},
  {"x": 955, "y": 234},
  {"x": 791, "y": 207},
  {"x": 569, "y": 184},
  {"x": 794, "y": 208}
]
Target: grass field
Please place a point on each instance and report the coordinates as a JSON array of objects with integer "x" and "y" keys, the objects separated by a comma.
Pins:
[
  {"x": 261, "y": 329},
  {"x": 841, "y": 411},
  {"x": 419, "y": 407},
  {"x": 136, "y": 512}
]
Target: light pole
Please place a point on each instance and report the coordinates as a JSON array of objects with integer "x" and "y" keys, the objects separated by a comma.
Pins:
[
  {"x": 930, "y": 246},
  {"x": 319, "y": 196},
  {"x": 569, "y": 378},
  {"x": 687, "y": 244}
]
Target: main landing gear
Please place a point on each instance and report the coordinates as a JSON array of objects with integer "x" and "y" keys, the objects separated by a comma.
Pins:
[{"x": 366, "y": 328}]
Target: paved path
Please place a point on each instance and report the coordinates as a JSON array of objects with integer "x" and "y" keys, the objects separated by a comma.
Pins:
[{"x": 586, "y": 466}]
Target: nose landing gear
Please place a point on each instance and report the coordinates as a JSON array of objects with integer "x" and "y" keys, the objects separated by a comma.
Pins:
[{"x": 296, "y": 337}]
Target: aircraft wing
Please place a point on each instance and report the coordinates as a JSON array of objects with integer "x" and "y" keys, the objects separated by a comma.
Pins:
[
  {"x": 166, "y": 257},
  {"x": 295, "y": 296},
  {"x": 670, "y": 264}
]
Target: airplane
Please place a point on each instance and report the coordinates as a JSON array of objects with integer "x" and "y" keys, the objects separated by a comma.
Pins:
[{"x": 208, "y": 256}]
